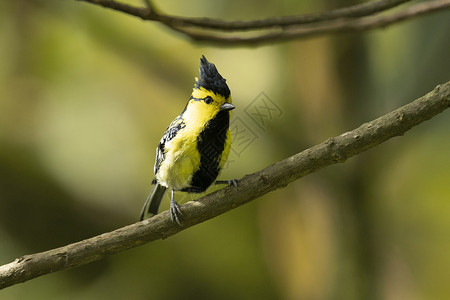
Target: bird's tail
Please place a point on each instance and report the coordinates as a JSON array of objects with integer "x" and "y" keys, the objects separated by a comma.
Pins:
[{"x": 153, "y": 201}]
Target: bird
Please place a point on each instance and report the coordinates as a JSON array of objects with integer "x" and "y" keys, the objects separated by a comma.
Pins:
[{"x": 196, "y": 145}]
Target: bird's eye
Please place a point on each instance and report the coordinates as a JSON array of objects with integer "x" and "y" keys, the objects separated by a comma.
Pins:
[{"x": 208, "y": 100}]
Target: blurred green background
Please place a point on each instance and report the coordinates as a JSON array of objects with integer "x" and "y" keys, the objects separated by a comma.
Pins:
[{"x": 86, "y": 93}]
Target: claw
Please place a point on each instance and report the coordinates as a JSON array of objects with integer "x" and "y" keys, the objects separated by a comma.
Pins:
[
  {"x": 230, "y": 182},
  {"x": 175, "y": 210},
  {"x": 233, "y": 181}
]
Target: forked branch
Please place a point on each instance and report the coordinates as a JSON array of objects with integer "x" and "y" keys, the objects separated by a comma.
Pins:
[{"x": 359, "y": 17}]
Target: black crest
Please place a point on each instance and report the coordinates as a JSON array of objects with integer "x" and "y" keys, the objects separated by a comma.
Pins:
[{"x": 210, "y": 79}]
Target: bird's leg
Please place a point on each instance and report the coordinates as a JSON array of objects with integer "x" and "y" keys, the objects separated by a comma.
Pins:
[
  {"x": 175, "y": 210},
  {"x": 228, "y": 182}
]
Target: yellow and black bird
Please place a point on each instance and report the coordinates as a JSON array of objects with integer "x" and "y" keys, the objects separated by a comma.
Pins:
[{"x": 196, "y": 144}]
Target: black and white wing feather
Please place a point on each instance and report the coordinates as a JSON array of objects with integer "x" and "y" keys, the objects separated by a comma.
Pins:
[
  {"x": 176, "y": 125},
  {"x": 153, "y": 201}
]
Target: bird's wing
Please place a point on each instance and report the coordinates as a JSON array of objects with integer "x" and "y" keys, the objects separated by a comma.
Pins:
[{"x": 176, "y": 125}]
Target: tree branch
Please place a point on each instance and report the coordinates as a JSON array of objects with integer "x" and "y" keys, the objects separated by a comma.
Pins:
[
  {"x": 150, "y": 14},
  {"x": 322, "y": 28},
  {"x": 360, "y": 10},
  {"x": 278, "y": 175},
  {"x": 354, "y": 18}
]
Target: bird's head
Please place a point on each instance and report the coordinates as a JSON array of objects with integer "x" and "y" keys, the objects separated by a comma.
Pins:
[
  {"x": 210, "y": 95},
  {"x": 211, "y": 80}
]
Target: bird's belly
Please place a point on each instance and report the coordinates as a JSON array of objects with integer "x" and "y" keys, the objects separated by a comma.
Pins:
[{"x": 182, "y": 161}]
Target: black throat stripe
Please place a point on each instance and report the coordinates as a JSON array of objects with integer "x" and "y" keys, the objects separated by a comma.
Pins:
[{"x": 210, "y": 144}]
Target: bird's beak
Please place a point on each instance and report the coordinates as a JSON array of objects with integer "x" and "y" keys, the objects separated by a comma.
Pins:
[{"x": 227, "y": 107}]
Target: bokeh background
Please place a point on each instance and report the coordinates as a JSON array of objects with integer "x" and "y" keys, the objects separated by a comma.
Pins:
[{"x": 86, "y": 93}]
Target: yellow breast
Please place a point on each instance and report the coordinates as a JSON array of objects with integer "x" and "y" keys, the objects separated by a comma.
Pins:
[{"x": 181, "y": 161}]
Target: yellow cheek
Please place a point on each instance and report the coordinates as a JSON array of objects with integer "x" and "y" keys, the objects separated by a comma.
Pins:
[{"x": 198, "y": 114}]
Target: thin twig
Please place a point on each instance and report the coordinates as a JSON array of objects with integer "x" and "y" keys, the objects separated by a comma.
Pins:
[
  {"x": 278, "y": 175},
  {"x": 313, "y": 30},
  {"x": 142, "y": 12},
  {"x": 350, "y": 19},
  {"x": 359, "y": 10}
]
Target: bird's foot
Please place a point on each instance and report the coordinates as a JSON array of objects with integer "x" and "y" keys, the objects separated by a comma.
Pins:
[
  {"x": 175, "y": 211},
  {"x": 230, "y": 182}
]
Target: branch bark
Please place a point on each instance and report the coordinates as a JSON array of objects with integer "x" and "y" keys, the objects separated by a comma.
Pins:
[
  {"x": 252, "y": 186},
  {"x": 354, "y": 18}
]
